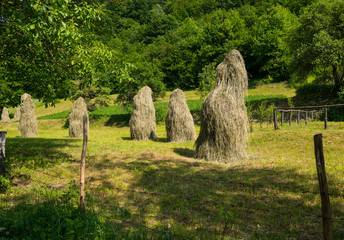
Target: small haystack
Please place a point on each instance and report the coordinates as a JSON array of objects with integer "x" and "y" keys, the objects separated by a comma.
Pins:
[
  {"x": 28, "y": 121},
  {"x": 179, "y": 122},
  {"x": 17, "y": 115},
  {"x": 224, "y": 121},
  {"x": 5, "y": 117},
  {"x": 75, "y": 118},
  {"x": 142, "y": 120}
]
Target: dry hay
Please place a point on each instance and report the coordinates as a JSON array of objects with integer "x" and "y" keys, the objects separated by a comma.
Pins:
[
  {"x": 5, "y": 117},
  {"x": 224, "y": 121},
  {"x": 17, "y": 115},
  {"x": 75, "y": 118},
  {"x": 179, "y": 122},
  {"x": 142, "y": 120},
  {"x": 28, "y": 121}
]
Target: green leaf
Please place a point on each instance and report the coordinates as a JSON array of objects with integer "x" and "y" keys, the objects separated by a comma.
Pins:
[{"x": 32, "y": 26}]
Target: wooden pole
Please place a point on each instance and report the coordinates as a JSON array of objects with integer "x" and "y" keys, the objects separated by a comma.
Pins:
[
  {"x": 2, "y": 152},
  {"x": 282, "y": 117},
  {"x": 298, "y": 116},
  {"x": 306, "y": 119},
  {"x": 325, "y": 118},
  {"x": 312, "y": 116},
  {"x": 275, "y": 119},
  {"x": 325, "y": 200},
  {"x": 83, "y": 160},
  {"x": 290, "y": 117}
]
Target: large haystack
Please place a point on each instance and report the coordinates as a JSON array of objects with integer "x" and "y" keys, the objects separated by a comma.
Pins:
[
  {"x": 17, "y": 115},
  {"x": 28, "y": 122},
  {"x": 179, "y": 122},
  {"x": 75, "y": 118},
  {"x": 5, "y": 117},
  {"x": 223, "y": 133},
  {"x": 142, "y": 120}
]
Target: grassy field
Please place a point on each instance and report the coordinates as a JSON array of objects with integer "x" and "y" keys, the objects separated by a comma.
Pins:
[
  {"x": 155, "y": 189},
  {"x": 158, "y": 190}
]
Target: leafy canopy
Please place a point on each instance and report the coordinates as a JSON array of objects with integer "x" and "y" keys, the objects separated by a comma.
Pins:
[
  {"x": 38, "y": 44},
  {"x": 318, "y": 42}
]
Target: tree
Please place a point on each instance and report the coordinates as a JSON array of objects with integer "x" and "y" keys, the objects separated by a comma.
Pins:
[
  {"x": 318, "y": 42},
  {"x": 38, "y": 44}
]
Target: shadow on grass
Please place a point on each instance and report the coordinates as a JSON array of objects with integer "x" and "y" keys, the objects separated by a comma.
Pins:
[
  {"x": 185, "y": 152},
  {"x": 202, "y": 200},
  {"x": 119, "y": 120},
  {"x": 35, "y": 153},
  {"x": 156, "y": 197},
  {"x": 126, "y": 139},
  {"x": 154, "y": 140}
]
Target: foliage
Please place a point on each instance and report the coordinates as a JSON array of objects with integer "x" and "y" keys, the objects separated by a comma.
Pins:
[
  {"x": 160, "y": 112},
  {"x": 318, "y": 42},
  {"x": 137, "y": 76},
  {"x": 264, "y": 112},
  {"x": 4, "y": 184},
  {"x": 207, "y": 79},
  {"x": 316, "y": 94},
  {"x": 38, "y": 42}
]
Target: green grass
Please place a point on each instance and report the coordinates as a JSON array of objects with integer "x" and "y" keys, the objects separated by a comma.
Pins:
[
  {"x": 272, "y": 88},
  {"x": 156, "y": 190}
]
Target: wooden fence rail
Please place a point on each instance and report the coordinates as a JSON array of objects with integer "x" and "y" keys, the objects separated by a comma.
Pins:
[{"x": 299, "y": 110}]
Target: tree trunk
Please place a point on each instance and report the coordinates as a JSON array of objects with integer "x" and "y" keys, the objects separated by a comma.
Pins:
[{"x": 338, "y": 81}]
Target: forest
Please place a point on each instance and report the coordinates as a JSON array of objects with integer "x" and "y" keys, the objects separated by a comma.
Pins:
[{"x": 59, "y": 49}]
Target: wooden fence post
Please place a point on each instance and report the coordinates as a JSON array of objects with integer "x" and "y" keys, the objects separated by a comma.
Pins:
[
  {"x": 306, "y": 118},
  {"x": 282, "y": 117},
  {"x": 298, "y": 116},
  {"x": 2, "y": 152},
  {"x": 275, "y": 119},
  {"x": 325, "y": 118},
  {"x": 325, "y": 200},
  {"x": 290, "y": 117},
  {"x": 83, "y": 160},
  {"x": 312, "y": 116}
]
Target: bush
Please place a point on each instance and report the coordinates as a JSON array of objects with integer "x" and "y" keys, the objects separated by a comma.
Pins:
[
  {"x": 138, "y": 76},
  {"x": 315, "y": 94},
  {"x": 4, "y": 184},
  {"x": 160, "y": 112}
]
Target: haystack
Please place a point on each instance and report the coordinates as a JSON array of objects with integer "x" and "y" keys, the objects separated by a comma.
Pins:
[
  {"x": 224, "y": 121},
  {"x": 142, "y": 120},
  {"x": 5, "y": 117},
  {"x": 75, "y": 118},
  {"x": 28, "y": 122},
  {"x": 179, "y": 122},
  {"x": 17, "y": 115}
]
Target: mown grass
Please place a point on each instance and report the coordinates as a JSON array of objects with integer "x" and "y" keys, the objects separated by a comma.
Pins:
[{"x": 157, "y": 190}]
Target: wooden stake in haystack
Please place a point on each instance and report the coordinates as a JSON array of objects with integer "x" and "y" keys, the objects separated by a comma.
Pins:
[
  {"x": 75, "y": 118},
  {"x": 83, "y": 162},
  {"x": 224, "y": 121},
  {"x": 5, "y": 117},
  {"x": 142, "y": 121},
  {"x": 28, "y": 121},
  {"x": 179, "y": 121},
  {"x": 17, "y": 115}
]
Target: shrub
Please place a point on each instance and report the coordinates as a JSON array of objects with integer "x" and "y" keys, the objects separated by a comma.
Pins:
[{"x": 4, "y": 184}]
